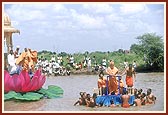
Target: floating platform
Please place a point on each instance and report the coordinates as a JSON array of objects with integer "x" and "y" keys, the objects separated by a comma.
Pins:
[{"x": 106, "y": 100}]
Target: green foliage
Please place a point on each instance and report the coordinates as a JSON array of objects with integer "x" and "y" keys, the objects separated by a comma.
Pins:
[
  {"x": 51, "y": 92},
  {"x": 137, "y": 49},
  {"x": 152, "y": 47},
  {"x": 30, "y": 96},
  {"x": 9, "y": 95},
  {"x": 63, "y": 54}
]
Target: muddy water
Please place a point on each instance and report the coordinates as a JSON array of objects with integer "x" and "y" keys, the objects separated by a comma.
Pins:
[{"x": 73, "y": 84}]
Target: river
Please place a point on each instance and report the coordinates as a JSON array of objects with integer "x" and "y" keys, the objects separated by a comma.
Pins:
[{"x": 74, "y": 84}]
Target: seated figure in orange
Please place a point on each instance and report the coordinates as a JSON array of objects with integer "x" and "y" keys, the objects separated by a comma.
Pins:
[{"x": 102, "y": 84}]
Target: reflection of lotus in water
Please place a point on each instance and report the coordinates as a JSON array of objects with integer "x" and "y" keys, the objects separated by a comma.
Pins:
[{"x": 23, "y": 82}]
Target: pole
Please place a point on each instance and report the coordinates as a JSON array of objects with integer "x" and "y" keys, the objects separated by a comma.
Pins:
[
  {"x": 107, "y": 85},
  {"x": 119, "y": 83}
]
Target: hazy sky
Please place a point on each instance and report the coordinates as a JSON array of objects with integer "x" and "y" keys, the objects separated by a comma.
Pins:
[{"x": 83, "y": 27}]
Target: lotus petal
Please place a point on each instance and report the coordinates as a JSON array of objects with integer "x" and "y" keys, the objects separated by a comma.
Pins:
[
  {"x": 26, "y": 77},
  {"x": 37, "y": 73},
  {"x": 6, "y": 79},
  {"x": 35, "y": 81},
  {"x": 17, "y": 83},
  {"x": 22, "y": 82},
  {"x": 42, "y": 80}
]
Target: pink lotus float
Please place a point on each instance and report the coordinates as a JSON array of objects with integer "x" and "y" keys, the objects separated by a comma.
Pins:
[{"x": 23, "y": 82}]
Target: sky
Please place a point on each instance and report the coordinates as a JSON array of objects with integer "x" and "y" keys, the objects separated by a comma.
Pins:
[{"x": 80, "y": 27}]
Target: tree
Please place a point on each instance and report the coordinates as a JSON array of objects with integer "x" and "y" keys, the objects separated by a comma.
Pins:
[
  {"x": 137, "y": 49},
  {"x": 152, "y": 47},
  {"x": 63, "y": 54}
]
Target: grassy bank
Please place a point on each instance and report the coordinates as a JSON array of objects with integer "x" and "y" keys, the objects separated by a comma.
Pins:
[{"x": 118, "y": 58}]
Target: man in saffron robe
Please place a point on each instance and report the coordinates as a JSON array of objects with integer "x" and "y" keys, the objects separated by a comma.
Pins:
[
  {"x": 27, "y": 60},
  {"x": 112, "y": 82}
]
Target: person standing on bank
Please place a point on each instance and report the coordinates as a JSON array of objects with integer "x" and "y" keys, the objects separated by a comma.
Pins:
[{"x": 134, "y": 65}]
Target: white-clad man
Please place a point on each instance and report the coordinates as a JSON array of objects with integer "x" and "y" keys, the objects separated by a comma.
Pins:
[{"x": 11, "y": 62}]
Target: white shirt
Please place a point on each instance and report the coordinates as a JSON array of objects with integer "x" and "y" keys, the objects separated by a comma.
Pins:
[
  {"x": 134, "y": 64},
  {"x": 104, "y": 62},
  {"x": 11, "y": 60},
  {"x": 89, "y": 62},
  {"x": 71, "y": 59},
  {"x": 53, "y": 59}
]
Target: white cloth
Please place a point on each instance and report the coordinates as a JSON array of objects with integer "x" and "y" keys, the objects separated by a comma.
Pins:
[
  {"x": 134, "y": 64},
  {"x": 11, "y": 62},
  {"x": 89, "y": 62},
  {"x": 71, "y": 59},
  {"x": 104, "y": 62},
  {"x": 53, "y": 59}
]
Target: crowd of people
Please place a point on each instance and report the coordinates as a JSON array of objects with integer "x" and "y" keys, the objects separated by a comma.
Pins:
[
  {"x": 29, "y": 61},
  {"x": 113, "y": 85},
  {"x": 54, "y": 66}
]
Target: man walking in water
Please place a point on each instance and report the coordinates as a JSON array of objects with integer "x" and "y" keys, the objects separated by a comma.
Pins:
[{"x": 130, "y": 72}]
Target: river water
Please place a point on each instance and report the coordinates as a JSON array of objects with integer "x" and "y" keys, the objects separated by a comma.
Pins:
[{"x": 74, "y": 84}]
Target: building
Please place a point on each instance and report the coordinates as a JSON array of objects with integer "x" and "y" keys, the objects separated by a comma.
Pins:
[{"x": 8, "y": 31}]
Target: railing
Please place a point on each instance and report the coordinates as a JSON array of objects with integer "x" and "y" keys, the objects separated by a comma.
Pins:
[{"x": 119, "y": 77}]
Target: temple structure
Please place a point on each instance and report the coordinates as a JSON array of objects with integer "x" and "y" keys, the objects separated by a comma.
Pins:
[
  {"x": 8, "y": 31},
  {"x": 8, "y": 43}
]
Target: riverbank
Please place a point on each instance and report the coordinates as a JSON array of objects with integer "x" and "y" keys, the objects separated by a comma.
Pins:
[
  {"x": 84, "y": 72},
  {"x": 92, "y": 72}
]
